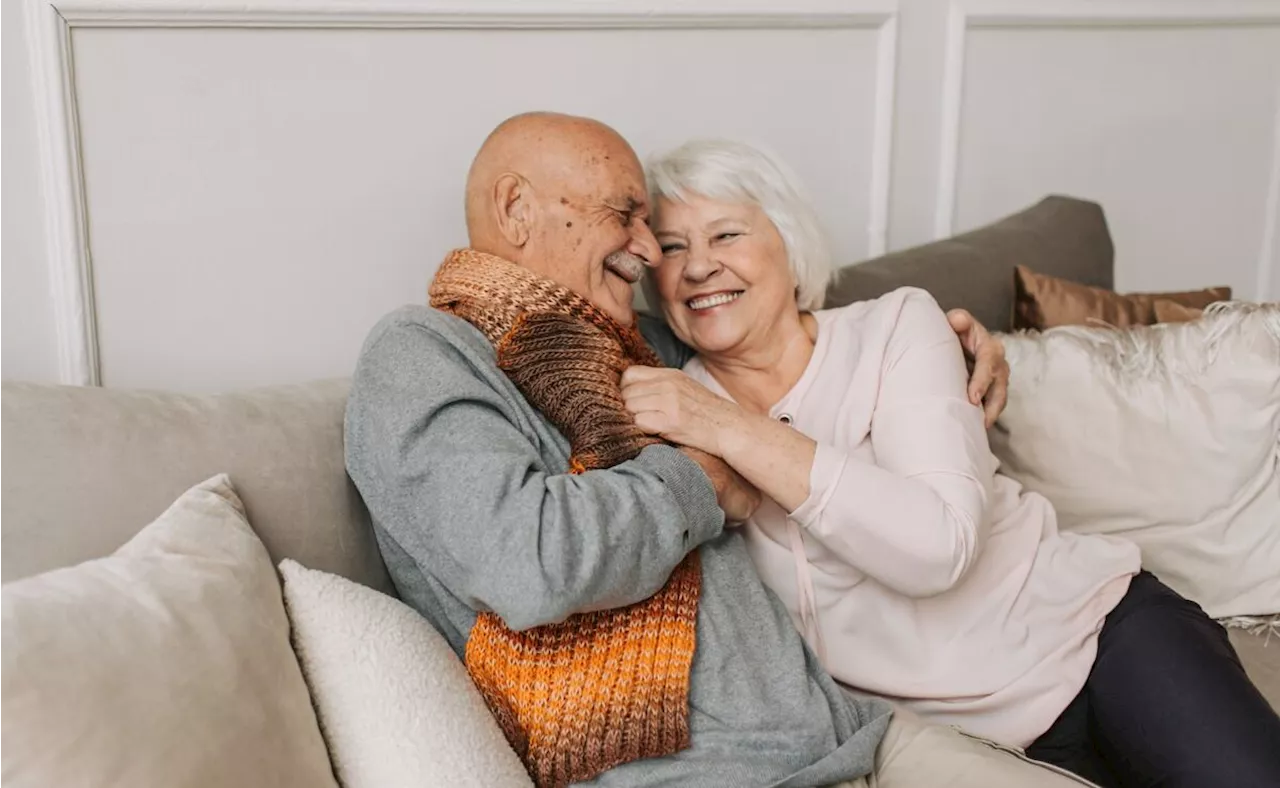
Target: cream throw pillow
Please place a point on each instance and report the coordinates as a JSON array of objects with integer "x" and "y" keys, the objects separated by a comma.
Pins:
[
  {"x": 396, "y": 705},
  {"x": 1167, "y": 435},
  {"x": 165, "y": 664}
]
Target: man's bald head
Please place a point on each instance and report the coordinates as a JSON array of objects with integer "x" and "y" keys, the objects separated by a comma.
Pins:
[
  {"x": 542, "y": 147},
  {"x": 560, "y": 195}
]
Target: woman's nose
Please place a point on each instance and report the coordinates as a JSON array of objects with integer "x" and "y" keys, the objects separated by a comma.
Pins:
[{"x": 700, "y": 266}]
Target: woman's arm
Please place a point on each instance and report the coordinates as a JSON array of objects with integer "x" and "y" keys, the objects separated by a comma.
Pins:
[
  {"x": 915, "y": 517},
  {"x": 915, "y": 520}
]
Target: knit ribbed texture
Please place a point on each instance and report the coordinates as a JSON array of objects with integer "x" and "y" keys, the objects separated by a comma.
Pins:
[{"x": 604, "y": 688}]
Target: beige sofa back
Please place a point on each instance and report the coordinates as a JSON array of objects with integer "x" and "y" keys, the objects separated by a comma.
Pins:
[{"x": 86, "y": 468}]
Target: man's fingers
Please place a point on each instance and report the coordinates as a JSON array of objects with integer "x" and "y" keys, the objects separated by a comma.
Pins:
[
  {"x": 965, "y": 327},
  {"x": 983, "y": 376},
  {"x": 960, "y": 320},
  {"x": 997, "y": 398}
]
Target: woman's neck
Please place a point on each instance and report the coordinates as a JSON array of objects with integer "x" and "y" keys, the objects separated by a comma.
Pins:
[{"x": 759, "y": 375}]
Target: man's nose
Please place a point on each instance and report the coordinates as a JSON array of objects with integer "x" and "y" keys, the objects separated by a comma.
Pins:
[{"x": 644, "y": 245}]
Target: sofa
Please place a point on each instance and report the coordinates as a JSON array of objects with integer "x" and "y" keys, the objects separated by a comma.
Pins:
[{"x": 85, "y": 468}]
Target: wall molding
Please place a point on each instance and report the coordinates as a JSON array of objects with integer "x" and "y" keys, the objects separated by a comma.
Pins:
[
  {"x": 62, "y": 182},
  {"x": 50, "y": 24},
  {"x": 1135, "y": 14},
  {"x": 1269, "y": 254}
]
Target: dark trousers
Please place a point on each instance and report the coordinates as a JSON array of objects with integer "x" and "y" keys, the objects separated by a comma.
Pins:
[{"x": 1167, "y": 704}]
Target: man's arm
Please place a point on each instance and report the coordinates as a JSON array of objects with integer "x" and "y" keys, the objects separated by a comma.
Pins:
[
  {"x": 989, "y": 371},
  {"x": 440, "y": 460}
]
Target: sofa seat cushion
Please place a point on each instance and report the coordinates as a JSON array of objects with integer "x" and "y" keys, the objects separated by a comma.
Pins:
[
  {"x": 167, "y": 663},
  {"x": 85, "y": 468},
  {"x": 1259, "y": 650}
]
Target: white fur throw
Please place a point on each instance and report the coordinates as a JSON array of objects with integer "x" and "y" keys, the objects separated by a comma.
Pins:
[
  {"x": 395, "y": 704},
  {"x": 1168, "y": 435}
]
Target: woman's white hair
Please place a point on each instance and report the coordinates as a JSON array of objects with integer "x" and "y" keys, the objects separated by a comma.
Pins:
[{"x": 735, "y": 172}]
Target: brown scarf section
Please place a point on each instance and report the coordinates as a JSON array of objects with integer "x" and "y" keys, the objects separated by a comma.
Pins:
[{"x": 599, "y": 689}]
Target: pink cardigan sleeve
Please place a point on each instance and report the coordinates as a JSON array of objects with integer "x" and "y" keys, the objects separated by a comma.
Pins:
[{"x": 915, "y": 519}]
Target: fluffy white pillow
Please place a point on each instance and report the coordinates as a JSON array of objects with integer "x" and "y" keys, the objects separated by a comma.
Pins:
[
  {"x": 1168, "y": 435},
  {"x": 396, "y": 705},
  {"x": 165, "y": 664}
]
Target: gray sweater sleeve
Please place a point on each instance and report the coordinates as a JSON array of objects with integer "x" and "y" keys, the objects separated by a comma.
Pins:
[{"x": 450, "y": 466}]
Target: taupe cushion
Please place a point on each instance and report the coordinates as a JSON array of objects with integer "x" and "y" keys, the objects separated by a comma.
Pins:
[
  {"x": 1060, "y": 236},
  {"x": 85, "y": 468},
  {"x": 165, "y": 664}
]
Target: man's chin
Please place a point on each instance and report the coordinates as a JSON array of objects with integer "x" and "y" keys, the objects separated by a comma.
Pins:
[{"x": 626, "y": 316}]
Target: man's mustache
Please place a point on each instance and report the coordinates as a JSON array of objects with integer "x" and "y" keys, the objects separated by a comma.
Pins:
[{"x": 625, "y": 265}]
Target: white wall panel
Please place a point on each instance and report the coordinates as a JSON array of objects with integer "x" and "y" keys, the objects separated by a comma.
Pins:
[
  {"x": 233, "y": 192},
  {"x": 1171, "y": 128},
  {"x": 258, "y": 198},
  {"x": 30, "y": 346}
]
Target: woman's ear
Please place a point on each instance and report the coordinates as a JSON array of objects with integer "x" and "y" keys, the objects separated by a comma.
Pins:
[{"x": 513, "y": 207}]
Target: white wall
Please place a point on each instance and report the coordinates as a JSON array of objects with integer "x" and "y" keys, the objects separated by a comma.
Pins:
[
  {"x": 29, "y": 351},
  {"x": 255, "y": 197}
]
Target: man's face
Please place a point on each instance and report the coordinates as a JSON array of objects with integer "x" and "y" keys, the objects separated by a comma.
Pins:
[{"x": 592, "y": 235}]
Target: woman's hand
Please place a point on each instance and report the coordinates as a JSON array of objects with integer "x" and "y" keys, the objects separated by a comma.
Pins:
[
  {"x": 770, "y": 456},
  {"x": 669, "y": 403},
  {"x": 988, "y": 369}
]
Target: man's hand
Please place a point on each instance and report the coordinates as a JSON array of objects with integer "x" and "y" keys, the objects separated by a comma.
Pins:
[
  {"x": 989, "y": 371},
  {"x": 735, "y": 495}
]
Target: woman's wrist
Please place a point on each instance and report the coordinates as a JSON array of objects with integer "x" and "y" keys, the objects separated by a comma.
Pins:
[{"x": 738, "y": 433}]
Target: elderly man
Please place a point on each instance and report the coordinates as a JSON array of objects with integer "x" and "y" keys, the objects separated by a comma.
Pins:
[{"x": 588, "y": 575}]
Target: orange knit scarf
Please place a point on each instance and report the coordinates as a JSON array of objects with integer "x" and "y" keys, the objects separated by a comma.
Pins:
[{"x": 604, "y": 688}]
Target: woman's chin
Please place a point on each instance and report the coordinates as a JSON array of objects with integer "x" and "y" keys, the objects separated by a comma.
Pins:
[{"x": 710, "y": 340}]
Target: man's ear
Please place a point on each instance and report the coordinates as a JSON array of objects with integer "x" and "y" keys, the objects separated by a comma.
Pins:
[{"x": 514, "y": 208}]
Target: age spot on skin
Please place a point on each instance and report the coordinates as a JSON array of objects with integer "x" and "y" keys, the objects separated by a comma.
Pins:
[{"x": 568, "y": 224}]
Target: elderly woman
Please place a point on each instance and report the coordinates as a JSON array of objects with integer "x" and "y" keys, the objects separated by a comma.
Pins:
[{"x": 913, "y": 569}]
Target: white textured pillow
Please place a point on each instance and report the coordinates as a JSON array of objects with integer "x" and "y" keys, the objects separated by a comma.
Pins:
[
  {"x": 165, "y": 664},
  {"x": 396, "y": 705},
  {"x": 1168, "y": 435}
]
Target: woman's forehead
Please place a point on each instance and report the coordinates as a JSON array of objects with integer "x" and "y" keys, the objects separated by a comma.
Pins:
[{"x": 697, "y": 209}]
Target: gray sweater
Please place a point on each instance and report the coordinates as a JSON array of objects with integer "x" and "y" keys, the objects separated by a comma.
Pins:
[{"x": 474, "y": 510}]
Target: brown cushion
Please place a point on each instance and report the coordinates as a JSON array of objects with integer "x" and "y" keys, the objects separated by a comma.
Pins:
[
  {"x": 1172, "y": 312},
  {"x": 1044, "y": 301},
  {"x": 1062, "y": 236}
]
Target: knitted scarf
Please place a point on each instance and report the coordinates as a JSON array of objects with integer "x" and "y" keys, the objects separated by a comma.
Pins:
[{"x": 603, "y": 688}]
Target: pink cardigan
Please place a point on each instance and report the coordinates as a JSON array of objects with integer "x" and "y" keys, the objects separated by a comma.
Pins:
[{"x": 915, "y": 570}]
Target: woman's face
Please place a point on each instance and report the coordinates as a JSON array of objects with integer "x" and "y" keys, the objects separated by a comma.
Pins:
[{"x": 723, "y": 278}]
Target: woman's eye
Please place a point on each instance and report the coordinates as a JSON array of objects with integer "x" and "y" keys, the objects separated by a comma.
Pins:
[
  {"x": 727, "y": 236},
  {"x": 668, "y": 249}
]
